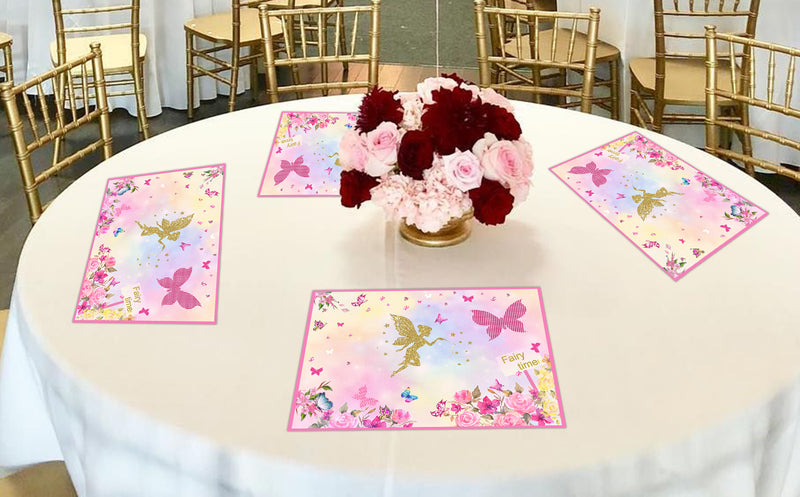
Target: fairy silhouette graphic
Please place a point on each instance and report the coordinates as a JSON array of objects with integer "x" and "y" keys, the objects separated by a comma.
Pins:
[
  {"x": 650, "y": 201},
  {"x": 410, "y": 341},
  {"x": 166, "y": 229}
]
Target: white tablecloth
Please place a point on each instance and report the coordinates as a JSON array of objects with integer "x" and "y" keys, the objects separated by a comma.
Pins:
[
  {"x": 31, "y": 24},
  {"x": 629, "y": 25},
  {"x": 670, "y": 389}
]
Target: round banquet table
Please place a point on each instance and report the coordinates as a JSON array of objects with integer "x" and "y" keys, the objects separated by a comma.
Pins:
[{"x": 669, "y": 388}]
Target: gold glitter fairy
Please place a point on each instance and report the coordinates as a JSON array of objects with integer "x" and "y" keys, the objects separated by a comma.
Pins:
[
  {"x": 166, "y": 229},
  {"x": 649, "y": 201},
  {"x": 410, "y": 341}
]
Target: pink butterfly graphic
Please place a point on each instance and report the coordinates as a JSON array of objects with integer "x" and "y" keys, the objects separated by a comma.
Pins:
[
  {"x": 710, "y": 196},
  {"x": 599, "y": 153},
  {"x": 681, "y": 240},
  {"x": 359, "y": 301},
  {"x": 287, "y": 167},
  {"x": 187, "y": 186},
  {"x": 497, "y": 385},
  {"x": 439, "y": 319},
  {"x": 309, "y": 187},
  {"x": 206, "y": 265},
  {"x": 620, "y": 195},
  {"x": 174, "y": 292},
  {"x": 280, "y": 149},
  {"x": 211, "y": 193},
  {"x": 365, "y": 401},
  {"x": 509, "y": 320},
  {"x": 383, "y": 298},
  {"x": 535, "y": 347},
  {"x": 144, "y": 311},
  {"x": 439, "y": 409},
  {"x": 188, "y": 175},
  {"x": 727, "y": 228},
  {"x": 147, "y": 182},
  {"x": 204, "y": 283},
  {"x": 315, "y": 371},
  {"x": 329, "y": 169},
  {"x": 468, "y": 299},
  {"x": 598, "y": 175},
  {"x": 184, "y": 245},
  {"x": 589, "y": 192},
  {"x": 340, "y": 324}
]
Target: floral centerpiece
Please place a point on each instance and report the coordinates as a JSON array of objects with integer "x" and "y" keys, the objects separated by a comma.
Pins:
[{"x": 436, "y": 157}]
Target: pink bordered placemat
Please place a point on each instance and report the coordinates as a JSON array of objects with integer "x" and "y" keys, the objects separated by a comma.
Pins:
[
  {"x": 303, "y": 160},
  {"x": 674, "y": 213},
  {"x": 426, "y": 359},
  {"x": 155, "y": 253}
]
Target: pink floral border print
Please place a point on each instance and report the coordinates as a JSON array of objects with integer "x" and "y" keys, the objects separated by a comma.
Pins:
[
  {"x": 303, "y": 160},
  {"x": 155, "y": 252},
  {"x": 426, "y": 359},
  {"x": 675, "y": 214}
]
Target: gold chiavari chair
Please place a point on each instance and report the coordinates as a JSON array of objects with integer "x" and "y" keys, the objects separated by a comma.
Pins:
[
  {"x": 738, "y": 62},
  {"x": 90, "y": 90},
  {"x": 285, "y": 18},
  {"x": 234, "y": 30},
  {"x": 605, "y": 54},
  {"x": 513, "y": 74},
  {"x": 8, "y": 65},
  {"x": 124, "y": 52},
  {"x": 675, "y": 76}
]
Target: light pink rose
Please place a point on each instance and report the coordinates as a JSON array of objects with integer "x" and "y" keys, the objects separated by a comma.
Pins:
[
  {"x": 110, "y": 261},
  {"x": 343, "y": 420},
  {"x": 463, "y": 170},
  {"x": 97, "y": 296},
  {"x": 466, "y": 419},
  {"x": 490, "y": 96},
  {"x": 503, "y": 162},
  {"x": 353, "y": 151},
  {"x": 86, "y": 288},
  {"x": 480, "y": 146},
  {"x": 94, "y": 263},
  {"x": 512, "y": 418},
  {"x": 463, "y": 396},
  {"x": 382, "y": 145},
  {"x": 429, "y": 85},
  {"x": 520, "y": 402},
  {"x": 400, "y": 416}
]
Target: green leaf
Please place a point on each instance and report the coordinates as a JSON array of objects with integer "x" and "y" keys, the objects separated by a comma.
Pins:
[
  {"x": 302, "y": 416},
  {"x": 518, "y": 388},
  {"x": 343, "y": 409},
  {"x": 527, "y": 418},
  {"x": 476, "y": 394},
  {"x": 111, "y": 270},
  {"x": 326, "y": 387}
]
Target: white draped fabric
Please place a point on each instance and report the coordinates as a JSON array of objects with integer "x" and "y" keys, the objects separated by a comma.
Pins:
[
  {"x": 669, "y": 389},
  {"x": 31, "y": 24},
  {"x": 629, "y": 25}
]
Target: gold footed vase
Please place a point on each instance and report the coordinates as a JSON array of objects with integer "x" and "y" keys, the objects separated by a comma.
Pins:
[{"x": 454, "y": 232}]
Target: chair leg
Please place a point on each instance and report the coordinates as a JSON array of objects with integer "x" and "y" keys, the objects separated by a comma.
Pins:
[
  {"x": 234, "y": 86},
  {"x": 141, "y": 111},
  {"x": 254, "y": 78},
  {"x": 189, "y": 76},
  {"x": 747, "y": 144},
  {"x": 614, "y": 68},
  {"x": 562, "y": 82}
]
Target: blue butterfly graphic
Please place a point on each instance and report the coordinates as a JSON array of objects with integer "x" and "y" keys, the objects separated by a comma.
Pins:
[
  {"x": 118, "y": 231},
  {"x": 407, "y": 395},
  {"x": 736, "y": 211},
  {"x": 349, "y": 126},
  {"x": 323, "y": 402},
  {"x": 124, "y": 190},
  {"x": 684, "y": 181}
]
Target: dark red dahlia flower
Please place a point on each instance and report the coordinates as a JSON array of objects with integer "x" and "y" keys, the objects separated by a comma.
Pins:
[
  {"x": 491, "y": 202},
  {"x": 415, "y": 153},
  {"x": 377, "y": 106},
  {"x": 503, "y": 123},
  {"x": 458, "y": 79},
  {"x": 355, "y": 186},
  {"x": 454, "y": 120}
]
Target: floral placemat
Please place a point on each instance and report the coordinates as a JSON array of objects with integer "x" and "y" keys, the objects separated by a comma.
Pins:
[
  {"x": 674, "y": 213},
  {"x": 304, "y": 158},
  {"x": 155, "y": 253},
  {"x": 421, "y": 359}
]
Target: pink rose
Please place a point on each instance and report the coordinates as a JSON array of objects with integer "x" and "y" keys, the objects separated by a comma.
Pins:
[
  {"x": 503, "y": 161},
  {"x": 520, "y": 402},
  {"x": 463, "y": 170},
  {"x": 463, "y": 396},
  {"x": 400, "y": 416},
  {"x": 343, "y": 420},
  {"x": 512, "y": 418},
  {"x": 427, "y": 87},
  {"x": 353, "y": 151},
  {"x": 93, "y": 264},
  {"x": 97, "y": 296},
  {"x": 466, "y": 419},
  {"x": 490, "y": 96},
  {"x": 110, "y": 261},
  {"x": 382, "y": 145},
  {"x": 86, "y": 288}
]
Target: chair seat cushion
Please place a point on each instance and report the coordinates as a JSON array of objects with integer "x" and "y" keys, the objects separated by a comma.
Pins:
[
  {"x": 684, "y": 79},
  {"x": 116, "y": 50},
  {"x": 219, "y": 27},
  {"x": 604, "y": 52}
]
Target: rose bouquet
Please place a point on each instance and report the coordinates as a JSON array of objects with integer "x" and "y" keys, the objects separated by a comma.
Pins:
[{"x": 440, "y": 153}]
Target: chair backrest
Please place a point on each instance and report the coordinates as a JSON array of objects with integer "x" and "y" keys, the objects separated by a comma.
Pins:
[
  {"x": 85, "y": 20},
  {"x": 740, "y": 57},
  {"x": 678, "y": 28},
  {"x": 91, "y": 91},
  {"x": 320, "y": 27},
  {"x": 552, "y": 56}
]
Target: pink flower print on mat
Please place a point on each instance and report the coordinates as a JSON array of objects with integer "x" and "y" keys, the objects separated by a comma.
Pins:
[
  {"x": 288, "y": 167},
  {"x": 598, "y": 175},
  {"x": 495, "y": 324},
  {"x": 362, "y": 396},
  {"x": 174, "y": 292}
]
